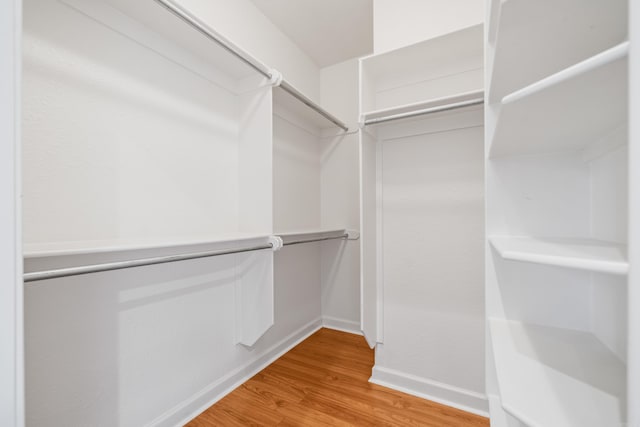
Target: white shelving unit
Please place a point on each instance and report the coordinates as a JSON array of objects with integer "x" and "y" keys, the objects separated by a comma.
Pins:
[
  {"x": 529, "y": 41},
  {"x": 567, "y": 110},
  {"x": 434, "y": 69},
  {"x": 541, "y": 361},
  {"x": 147, "y": 134},
  {"x": 557, "y": 197}
]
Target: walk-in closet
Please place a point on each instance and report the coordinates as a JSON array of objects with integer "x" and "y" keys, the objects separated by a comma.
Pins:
[{"x": 305, "y": 212}]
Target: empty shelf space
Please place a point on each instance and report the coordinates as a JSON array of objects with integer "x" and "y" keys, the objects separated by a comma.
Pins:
[
  {"x": 557, "y": 377},
  {"x": 422, "y": 108},
  {"x": 567, "y": 110},
  {"x": 562, "y": 32},
  {"x": 582, "y": 254},
  {"x": 431, "y": 69}
]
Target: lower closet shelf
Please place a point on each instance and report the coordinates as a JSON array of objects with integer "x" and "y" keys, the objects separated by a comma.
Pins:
[{"x": 551, "y": 377}]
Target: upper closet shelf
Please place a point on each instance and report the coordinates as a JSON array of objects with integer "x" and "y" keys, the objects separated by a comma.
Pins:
[
  {"x": 404, "y": 77},
  {"x": 176, "y": 33},
  {"x": 557, "y": 377},
  {"x": 423, "y": 108},
  {"x": 573, "y": 32},
  {"x": 567, "y": 110},
  {"x": 97, "y": 247},
  {"x": 582, "y": 254}
]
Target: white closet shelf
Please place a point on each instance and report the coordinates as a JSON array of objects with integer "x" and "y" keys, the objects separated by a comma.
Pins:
[
  {"x": 557, "y": 377},
  {"x": 402, "y": 77},
  {"x": 88, "y": 247},
  {"x": 573, "y": 31},
  {"x": 420, "y": 108},
  {"x": 567, "y": 110},
  {"x": 582, "y": 254}
]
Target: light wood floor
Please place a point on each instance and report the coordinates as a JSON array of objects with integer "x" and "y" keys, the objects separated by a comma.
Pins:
[{"x": 323, "y": 381}]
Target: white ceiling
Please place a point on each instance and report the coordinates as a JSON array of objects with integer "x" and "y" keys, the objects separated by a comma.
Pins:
[{"x": 329, "y": 31}]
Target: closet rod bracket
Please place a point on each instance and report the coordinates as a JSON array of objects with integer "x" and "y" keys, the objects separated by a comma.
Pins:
[
  {"x": 276, "y": 242},
  {"x": 276, "y": 78}
]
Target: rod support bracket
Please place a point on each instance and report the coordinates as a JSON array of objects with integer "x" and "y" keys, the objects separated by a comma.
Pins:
[
  {"x": 276, "y": 242},
  {"x": 276, "y": 77},
  {"x": 353, "y": 234}
]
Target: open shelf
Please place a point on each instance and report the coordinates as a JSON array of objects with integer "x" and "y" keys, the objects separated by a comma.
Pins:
[
  {"x": 420, "y": 108},
  {"x": 111, "y": 246},
  {"x": 404, "y": 77},
  {"x": 567, "y": 110},
  {"x": 557, "y": 377},
  {"x": 581, "y": 254},
  {"x": 560, "y": 32}
]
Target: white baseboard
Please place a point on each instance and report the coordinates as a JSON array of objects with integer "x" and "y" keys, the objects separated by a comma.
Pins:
[
  {"x": 341, "y": 325},
  {"x": 448, "y": 395},
  {"x": 184, "y": 412}
]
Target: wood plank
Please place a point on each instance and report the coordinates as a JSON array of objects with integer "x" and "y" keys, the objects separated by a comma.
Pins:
[{"x": 324, "y": 382}]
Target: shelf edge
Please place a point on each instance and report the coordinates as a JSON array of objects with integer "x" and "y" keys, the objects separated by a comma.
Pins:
[{"x": 606, "y": 57}]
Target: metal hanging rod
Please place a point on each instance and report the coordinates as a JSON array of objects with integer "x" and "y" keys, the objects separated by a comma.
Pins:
[
  {"x": 120, "y": 265},
  {"x": 297, "y": 94},
  {"x": 209, "y": 33},
  {"x": 430, "y": 110},
  {"x": 317, "y": 239}
]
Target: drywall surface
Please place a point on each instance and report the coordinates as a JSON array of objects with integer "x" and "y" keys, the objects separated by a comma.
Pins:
[
  {"x": 119, "y": 141},
  {"x": 339, "y": 91},
  {"x": 431, "y": 211},
  {"x": 244, "y": 24},
  {"x": 340, "y": 205},
  {"x": 296, "y": 175},
  {"x": 340, "y": 209},
  {"x": 398, "y": 23}
]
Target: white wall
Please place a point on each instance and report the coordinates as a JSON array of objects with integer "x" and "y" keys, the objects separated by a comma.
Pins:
[
  {"x": 432, "y": 231},
  {"x": 11, "y": 333},
  {"x": 340, "y": 205},
  {"x": 398, "y": 23},
  {"x": 121, "y": 143},
  {"x": 244, "y": 24}
]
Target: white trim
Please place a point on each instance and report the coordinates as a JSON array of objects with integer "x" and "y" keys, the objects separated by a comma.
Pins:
[
  {"x": 199, "y": 402},
  {"x": 11, "y": 291},
  {"x": 343, "y": 325},
  {"x": 459, "y": 398},
  {"x": 633, "y": 285},
  {"x": 379, "y": 243}
]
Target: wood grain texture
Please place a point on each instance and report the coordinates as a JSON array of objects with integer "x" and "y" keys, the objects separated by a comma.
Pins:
[{"x": 324, "y": 382}]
